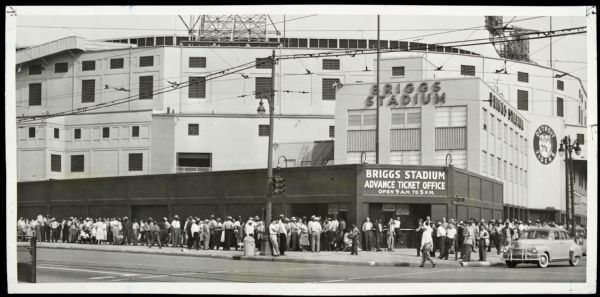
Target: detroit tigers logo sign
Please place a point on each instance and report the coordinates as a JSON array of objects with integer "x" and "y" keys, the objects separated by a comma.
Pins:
[{"x": 544, "y": 144}]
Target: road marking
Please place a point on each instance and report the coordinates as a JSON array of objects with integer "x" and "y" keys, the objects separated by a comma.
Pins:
[
  {"x": 223, "y": 271},
  {"x": 187, "y": 273},
  {"x": 80, "y": 270},
  {"x": 154, "y": 276},
  {"x": 101, "y": 277},
  {"x": 302, "y": 268},
  {"x": 386, "y": 275}
]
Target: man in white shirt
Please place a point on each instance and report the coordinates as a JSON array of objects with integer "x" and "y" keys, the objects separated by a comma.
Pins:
[
  {"x": 282, "y": 233},
  {"x": 367, "y": 234},
  {"x": 314, "y": 229},
  {"x": 426, "y": 244},
  {"x": 441, "y": 237},
  {"x": 273, "y": 230},
  {"x": 450, "y": 235},
  {"x": 176, "y": 232},
  {"x": 249, "y": 227},
  {"x": 396, "y": 226},
  {"x": 196, "y": 233}
]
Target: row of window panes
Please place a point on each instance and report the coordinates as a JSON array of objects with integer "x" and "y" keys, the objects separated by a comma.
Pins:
[
  {"x": 136, "y": 161},
  {"x": 90, "y": 65},
  {"x": 196, "y": 89},
  {"x": 263, "y": 130},
  {"x": 135, "y": 132}
]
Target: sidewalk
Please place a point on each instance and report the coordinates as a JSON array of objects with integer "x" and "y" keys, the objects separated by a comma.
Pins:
[{"x": 399, "y": 257}]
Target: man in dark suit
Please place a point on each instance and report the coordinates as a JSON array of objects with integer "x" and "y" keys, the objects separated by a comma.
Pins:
[
  {"x": 461, "y": 238},
  {"x": 419, "y": 232}
]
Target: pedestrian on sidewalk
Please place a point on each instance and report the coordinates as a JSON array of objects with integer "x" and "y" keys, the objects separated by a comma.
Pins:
[
  {"x": 303, "y": 242},
  {"x": 282, "y": 233},
  {"x": 155, "y": 234},
  {"x": 314, "y": 229},
  {"x": 397, "y": 232},
  {"x": 441, "y": 237},
  {"x": 135, "y": 231},
  {"x": 341, "y": 232},
  {"x": 449, "y": 242},
  {"x": 238, "y": 229},
  {"x": 220, "y": 235},
  {"x": 367, "y": 228},
  {"x": 419, "y": 237},
  {"x": 260, "y": 232},
  {"x": 427, "y": 245},
  {"x": 205, "y": 234},
  {"x": 469, "y": 240},
  {"x": 353, "y": 235},
  {"x": 273, "y": 230},
  {"x": 195, "y": 228},
  {"x": 390, "y": 232},
  {"x": 127, "y": 231},
  {"x": 212, "y": 225},
  {"x": 294, "y": 235},
  {"x": 484, "y": 241},
  {"x": 228, "y": 229}
]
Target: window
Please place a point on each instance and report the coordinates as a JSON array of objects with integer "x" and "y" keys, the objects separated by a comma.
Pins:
[
  {"x": 522, "y": 100},
  {"x": 262, "y": 87},
  {"x": 136, "y": 162},
  {"x": 61, "y": 67},
  {"x": 263, "y": 63},
  {"x": 194, "y": 159},
  {"x": 451, "y": 131},
  {"x": 77, "y": 163},
  {"x": 331, "y": 64},
  {"x": 484, "y": 119},
  {"x": 467, "y": 70},
  {"x": 329, "y": 89},
  {"x": 88, "y": 90},
  {"x": 135, "y": 131},
  {"x": 197, "y": 87},
  {"x": 451, "y": 116},
  {"x": 331, "y": 131},
  {"x": 523, "y": 76},
  {"x": 559, "y": 107},
  {"x": 146, "y": 61},
  {"x": 193, "y": 129},
  {"x": 406, "y": 117},
  {"x": 560, "y": 84},
  {"x": 146, "y": 86},
  {"x": 117, "y": 63},
  {"x": 362, "y": 119},
  {"x": 580, "y": 139},
  {"x": 263, "y": 130},
  {"x": 31, "y": 132},
  {"x": 492, "y": 125},
  {"x": 88, "y": 65},
  {"x": 77, "y": 133},
  {"x": 35, "y": 69},
  {"x": 35, "y": 94},
  {"x": 56, "y": 133},
  {"x": 398, "y": 71},
  {"x": 105, "y": 132},
  {"x": 197, "y": 62},
  {"x": 55, "y": 163}
]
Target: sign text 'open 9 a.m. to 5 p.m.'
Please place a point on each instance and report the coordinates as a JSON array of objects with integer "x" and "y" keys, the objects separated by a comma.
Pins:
[{"x": 405, "y": 182}]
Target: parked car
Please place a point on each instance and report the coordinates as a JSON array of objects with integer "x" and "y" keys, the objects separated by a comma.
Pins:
[{"x": 543, "y": 246}]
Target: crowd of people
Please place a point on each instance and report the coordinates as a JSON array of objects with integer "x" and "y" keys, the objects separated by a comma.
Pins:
[
  {"x": 461, "y": 237},
  {"x": 312, "y": 234}
]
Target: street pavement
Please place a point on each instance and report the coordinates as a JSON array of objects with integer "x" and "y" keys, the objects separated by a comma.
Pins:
[{"x": 59, "y": 265}]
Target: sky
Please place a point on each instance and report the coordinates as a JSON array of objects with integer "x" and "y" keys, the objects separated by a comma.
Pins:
[{"x": 36, "y": 26}]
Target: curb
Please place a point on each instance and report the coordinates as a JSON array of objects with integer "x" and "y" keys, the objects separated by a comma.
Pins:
[{"x": 171, "y": 252}]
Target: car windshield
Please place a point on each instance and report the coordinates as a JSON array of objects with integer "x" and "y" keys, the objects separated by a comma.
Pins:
[{"x": 535, "y": 234}]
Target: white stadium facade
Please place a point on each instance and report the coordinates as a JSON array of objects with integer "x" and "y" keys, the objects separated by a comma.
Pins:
[{"x": 489, "y": 115}]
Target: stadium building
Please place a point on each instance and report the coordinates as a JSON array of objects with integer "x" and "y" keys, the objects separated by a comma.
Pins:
[{"x": 498, "y": 118}]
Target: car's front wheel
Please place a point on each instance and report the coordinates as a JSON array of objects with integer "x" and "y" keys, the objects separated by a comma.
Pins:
[
  {"x": 574, "y": 261},
  {"x": 543, "y": 261},
  {"x": 511, "y": 264}
]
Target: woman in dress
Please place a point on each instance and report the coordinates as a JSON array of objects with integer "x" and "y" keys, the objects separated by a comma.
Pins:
[
  {"x": 303, "y": 240},
  {"x": 100, "y": 231},
  {"x": 93, "y": 231}
]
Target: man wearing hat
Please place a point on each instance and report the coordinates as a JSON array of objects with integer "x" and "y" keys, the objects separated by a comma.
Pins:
[
  {"x": 507, "y": 234},
  {"x": 419, "y": 231},
  {"x": 54, "y": 230},
  {"x": 249, "y": 227},
  {"x": 212, "y": 225},
  {"x": 259, "y": 231},
  {"x": 314, "y": 229},
  {"x": 47, "y": 229},
  {"x": 229, "y": 235},
  {"x": 294, "y": 233},
  {"x": 176, "y": 232},
  {"x": 127, "y": 236},
  {"x": 282, "y": 233}
]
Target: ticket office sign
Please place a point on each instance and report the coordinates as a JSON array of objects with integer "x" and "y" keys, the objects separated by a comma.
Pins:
[{"x": 405, "y": 183}]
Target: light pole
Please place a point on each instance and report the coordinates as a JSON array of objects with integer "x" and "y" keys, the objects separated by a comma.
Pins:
[
  {"x": 264, "y": 247},
  {"x": 566, "y": 149}
]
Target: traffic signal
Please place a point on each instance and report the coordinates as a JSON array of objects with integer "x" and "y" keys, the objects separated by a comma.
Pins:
[{"x": 278, "y": 185}]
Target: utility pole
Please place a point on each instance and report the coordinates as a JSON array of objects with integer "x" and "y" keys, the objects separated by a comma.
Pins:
[
  {"x": 377, "y": 97},
  {"x": 265, "y": 249}
]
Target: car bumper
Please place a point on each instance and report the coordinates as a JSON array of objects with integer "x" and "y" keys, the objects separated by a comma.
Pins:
[{"x": 520, "y": 256}]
